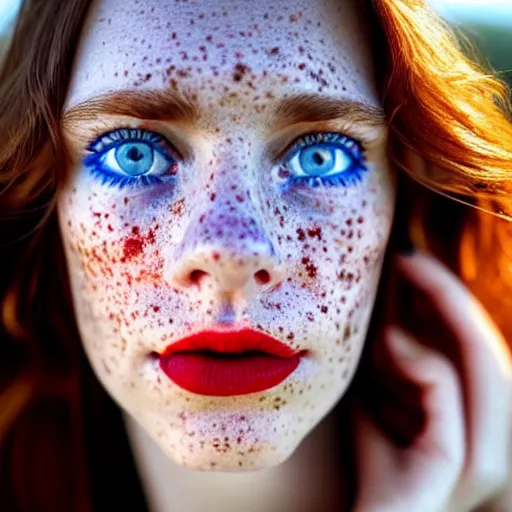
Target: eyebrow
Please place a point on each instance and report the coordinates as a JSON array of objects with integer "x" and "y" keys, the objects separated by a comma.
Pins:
[
  {"x": 174, "y": 106},
  {"x": 311, "y": 107},
  {"x": 156, "y": 105}
]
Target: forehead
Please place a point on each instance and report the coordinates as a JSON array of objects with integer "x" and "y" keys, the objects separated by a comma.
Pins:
[{"x": 295, "y": 45}]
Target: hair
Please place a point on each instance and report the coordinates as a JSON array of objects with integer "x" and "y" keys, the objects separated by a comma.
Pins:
[{"x": 440, "y": 104}]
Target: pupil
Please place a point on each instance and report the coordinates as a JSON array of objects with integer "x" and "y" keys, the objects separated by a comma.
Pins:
[
  {"x": 134, "y": 154},
  {"x": 318, "y": 158}
]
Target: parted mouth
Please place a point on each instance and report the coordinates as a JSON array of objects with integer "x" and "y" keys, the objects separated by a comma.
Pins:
[{"x": 229, "y": 363}]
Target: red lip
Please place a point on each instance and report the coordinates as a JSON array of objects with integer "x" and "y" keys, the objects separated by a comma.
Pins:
[{"x": 228, "y": 363}]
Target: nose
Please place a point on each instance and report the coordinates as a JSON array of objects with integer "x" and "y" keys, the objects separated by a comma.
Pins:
[{"x": 227, "y": 253}]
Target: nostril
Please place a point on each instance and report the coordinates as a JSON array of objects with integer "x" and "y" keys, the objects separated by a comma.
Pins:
[
  {"x": 196, "y": 276},
  {"x": 262, "y": 277}
]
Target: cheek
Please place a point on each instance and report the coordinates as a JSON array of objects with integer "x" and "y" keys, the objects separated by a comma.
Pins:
[
  {"x": 115, "y": 261},
  {"x": 339, "y": 262}
]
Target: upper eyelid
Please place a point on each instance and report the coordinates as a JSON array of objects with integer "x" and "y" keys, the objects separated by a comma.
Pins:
[
  {"x": 295, "y": 144},
  {"x": 80, "y": 135},
  {"x": 171, "y": 148},
  {"x": 367, "y": 137}
]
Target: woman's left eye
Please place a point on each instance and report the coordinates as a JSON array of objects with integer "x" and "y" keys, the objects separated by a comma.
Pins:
[
  {"x": 131, "y": 157},
  {"x": 323, "y": 159}
]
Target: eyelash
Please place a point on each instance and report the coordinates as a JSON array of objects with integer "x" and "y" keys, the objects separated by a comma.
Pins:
[
  {"x": 114, "y": 139},
  {"x": 347, "y": 178}
]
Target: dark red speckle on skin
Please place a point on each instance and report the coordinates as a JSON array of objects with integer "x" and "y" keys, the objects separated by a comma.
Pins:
[{"x": 133, "y": 247}]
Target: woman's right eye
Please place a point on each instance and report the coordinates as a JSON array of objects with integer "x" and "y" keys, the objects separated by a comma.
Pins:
[{"x": 131, "y": 157}]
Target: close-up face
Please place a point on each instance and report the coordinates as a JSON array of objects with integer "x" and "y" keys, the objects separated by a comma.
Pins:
[{"x": 226, "y": 216}]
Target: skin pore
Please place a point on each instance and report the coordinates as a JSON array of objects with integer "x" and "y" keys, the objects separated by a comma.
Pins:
[{"x": 267, "y": 204}]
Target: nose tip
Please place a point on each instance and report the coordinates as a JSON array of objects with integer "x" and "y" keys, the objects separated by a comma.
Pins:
[{"x": 225, "y": 273}]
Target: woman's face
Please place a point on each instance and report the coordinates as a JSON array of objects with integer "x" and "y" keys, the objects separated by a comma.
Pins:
[{"x": 226, "y": 217}]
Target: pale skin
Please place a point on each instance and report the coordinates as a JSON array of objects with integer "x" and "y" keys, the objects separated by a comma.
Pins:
[{"x": 228, "y": 231}]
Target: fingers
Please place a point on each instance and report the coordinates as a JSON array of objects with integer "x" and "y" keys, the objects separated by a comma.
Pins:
[
  {"x": 422, "y": 476},
  {"x": 443, "y": 437},
  {"x": 486, "y": 373}
]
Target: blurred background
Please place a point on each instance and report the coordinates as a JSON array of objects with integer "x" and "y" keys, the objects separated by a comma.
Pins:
[{"x": 487, "y": 22}]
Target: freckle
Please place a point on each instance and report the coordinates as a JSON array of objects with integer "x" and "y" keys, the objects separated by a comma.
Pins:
[
  {"x": 239, "y": 71},
  {"x": 107, "y": 369},
  {"x": 315, "y": 233}
]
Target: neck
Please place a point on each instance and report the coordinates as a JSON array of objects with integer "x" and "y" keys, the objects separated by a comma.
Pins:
[{"x": 309, "y": 480}]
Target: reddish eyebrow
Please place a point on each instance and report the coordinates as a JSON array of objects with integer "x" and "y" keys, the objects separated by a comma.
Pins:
[
  {"x": 307, "y": 108},
  {"x": 157, "y": 105},
  {"x": 172, "y": 106}
]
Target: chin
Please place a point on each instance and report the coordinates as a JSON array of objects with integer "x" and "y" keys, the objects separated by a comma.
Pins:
[
  {"x": 223, "y": 458},
  {"x": 230, "y": 442}
]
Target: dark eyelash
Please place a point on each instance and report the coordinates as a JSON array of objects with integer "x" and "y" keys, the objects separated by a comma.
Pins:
[
  {"x": 355, "y": 147},
  {"x": 348, "y": 178},
  {"x": 121, "y": 135}
]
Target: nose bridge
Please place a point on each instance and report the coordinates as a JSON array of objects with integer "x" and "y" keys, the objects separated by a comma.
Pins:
[
  {"x": 231, "y": 234},
  {"x": 225, "y": 241},
  {"x": 227, "y": 216}
]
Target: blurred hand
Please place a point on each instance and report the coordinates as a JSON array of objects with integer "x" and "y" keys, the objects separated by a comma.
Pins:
[{"x": 437, "y": 435}]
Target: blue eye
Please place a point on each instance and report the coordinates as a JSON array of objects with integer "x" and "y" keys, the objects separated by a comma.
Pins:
[
  {"x": 323, "y": 159},
  {"x": 131, "y": 157}
]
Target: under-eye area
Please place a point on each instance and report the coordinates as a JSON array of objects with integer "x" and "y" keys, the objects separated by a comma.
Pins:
[
  {"x": 131, "y": 157},
  {"x": 322, "y": 159}
]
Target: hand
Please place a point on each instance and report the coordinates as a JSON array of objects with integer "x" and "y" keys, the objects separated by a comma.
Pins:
[{"x": 437, "y": 436}]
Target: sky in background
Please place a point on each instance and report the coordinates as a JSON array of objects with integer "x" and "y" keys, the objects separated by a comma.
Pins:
[
  {"x": 488, "y": 12},
  {"x": 8, "y": 10}
]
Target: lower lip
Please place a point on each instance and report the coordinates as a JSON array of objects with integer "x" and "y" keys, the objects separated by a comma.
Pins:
[{"x": 206, "y": 373}]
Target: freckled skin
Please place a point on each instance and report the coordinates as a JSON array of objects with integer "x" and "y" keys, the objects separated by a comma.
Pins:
[{"x": 225, "y": 244}]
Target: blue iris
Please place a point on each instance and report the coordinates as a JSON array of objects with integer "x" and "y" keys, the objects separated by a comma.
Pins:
[
  {"x": 323, "y": 159},
  {"x": 131, "y": 157},
  {"x": 134, "y": 158},
  {"x": 317, "y": 161}
]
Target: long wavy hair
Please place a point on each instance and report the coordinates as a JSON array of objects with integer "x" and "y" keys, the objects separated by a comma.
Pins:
[{"x": 440, "y": 104}]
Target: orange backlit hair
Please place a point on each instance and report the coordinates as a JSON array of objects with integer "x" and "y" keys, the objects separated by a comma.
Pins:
[{"x": 440, "y": 104}]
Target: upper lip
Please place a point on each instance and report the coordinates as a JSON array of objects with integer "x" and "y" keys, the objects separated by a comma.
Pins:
[{"x": 231, "y": 342}]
